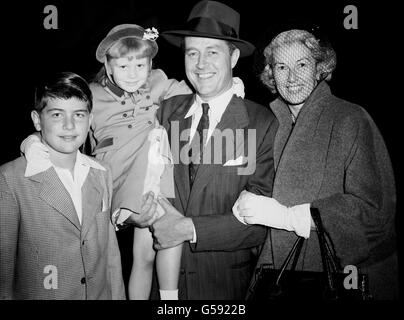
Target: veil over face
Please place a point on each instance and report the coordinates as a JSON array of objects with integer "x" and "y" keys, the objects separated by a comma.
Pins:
[{"x": 295, "y": 72}]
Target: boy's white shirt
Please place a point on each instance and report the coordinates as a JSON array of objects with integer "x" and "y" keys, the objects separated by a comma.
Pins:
[{"x": 72, "y": 184}]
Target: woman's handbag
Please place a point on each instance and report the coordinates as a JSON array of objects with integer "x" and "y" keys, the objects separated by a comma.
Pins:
[{"x": 282, "y": 284}]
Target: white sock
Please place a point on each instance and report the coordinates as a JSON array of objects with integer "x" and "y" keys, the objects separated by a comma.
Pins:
[{"x": 169, "y": 294}]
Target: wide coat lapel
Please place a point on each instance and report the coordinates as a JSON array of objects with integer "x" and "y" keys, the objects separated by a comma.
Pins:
[
  {"x": 234, "y": 117},
  {"x": 178, "y": 128},
  {"x": 53, "y": 192},
  {"x": 300, "y": 155}
]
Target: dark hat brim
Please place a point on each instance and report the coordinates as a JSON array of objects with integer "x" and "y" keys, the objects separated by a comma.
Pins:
[{"x": 176, "y": 37}]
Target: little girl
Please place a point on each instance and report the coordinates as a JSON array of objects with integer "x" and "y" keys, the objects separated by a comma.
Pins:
[{"x": 126, "y": 134}]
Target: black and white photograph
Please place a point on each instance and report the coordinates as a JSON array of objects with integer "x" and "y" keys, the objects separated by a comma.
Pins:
[{"x": 238, "y": 152}]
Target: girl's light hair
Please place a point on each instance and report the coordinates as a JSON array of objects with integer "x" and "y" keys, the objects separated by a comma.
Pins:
[
  {"x": 122, "y": 47},
  {"x": 323, "y": 54}
]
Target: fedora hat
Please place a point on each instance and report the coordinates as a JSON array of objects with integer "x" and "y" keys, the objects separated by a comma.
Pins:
[
  {"x": 123, "y": 31},
  {"x": 212, "y": 19}
]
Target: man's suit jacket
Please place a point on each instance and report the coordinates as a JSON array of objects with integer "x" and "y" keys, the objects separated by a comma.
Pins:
[
  {"x": 44, "y": 252},
  {"x": 219, "y": 265}
]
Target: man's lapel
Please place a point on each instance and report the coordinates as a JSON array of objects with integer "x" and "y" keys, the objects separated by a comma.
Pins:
[
  {"x": 178, "y": 132},
  {"x": 53, "y": 192},
  {"x": 234, "y": 117}
]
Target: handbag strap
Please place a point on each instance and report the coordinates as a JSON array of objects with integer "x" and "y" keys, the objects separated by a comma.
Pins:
[
  {"x": 294, "y": 253},
  {"x": 327, "y": 258}
]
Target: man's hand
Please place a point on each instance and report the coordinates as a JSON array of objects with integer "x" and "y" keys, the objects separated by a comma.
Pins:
[
  {"x": 172, "y": 228},
  {"x": 148, "y": 214}
]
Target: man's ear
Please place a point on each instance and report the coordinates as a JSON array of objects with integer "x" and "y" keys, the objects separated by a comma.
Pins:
[
  {"x": 234, "y": 57},
  {"x": 36, "y": 119}
]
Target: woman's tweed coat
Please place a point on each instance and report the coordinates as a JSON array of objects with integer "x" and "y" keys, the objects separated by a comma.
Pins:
[{"x": 336, "y": 159}]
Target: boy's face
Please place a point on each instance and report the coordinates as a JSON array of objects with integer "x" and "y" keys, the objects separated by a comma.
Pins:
[
  {"x": 64, "y": 124},
  {"x": 130, "y": 72}
]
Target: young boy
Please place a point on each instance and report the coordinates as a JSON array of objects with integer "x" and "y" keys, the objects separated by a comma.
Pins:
[{"x": 57, "y": 239}]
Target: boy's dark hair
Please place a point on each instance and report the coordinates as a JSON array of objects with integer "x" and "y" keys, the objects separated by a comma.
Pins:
[{"x": 62, "y": 85}]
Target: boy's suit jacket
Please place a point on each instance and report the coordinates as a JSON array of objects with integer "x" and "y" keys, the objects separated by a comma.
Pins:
[
  {"x": 45, "y": 253},
  {"x": 220, "y": 264}
]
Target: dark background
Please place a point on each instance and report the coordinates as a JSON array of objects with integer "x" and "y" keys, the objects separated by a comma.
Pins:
[{"x": 364, "y": 75}]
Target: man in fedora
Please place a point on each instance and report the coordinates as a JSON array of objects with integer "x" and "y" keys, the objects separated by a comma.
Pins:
[{"x": 220, "y": 253}]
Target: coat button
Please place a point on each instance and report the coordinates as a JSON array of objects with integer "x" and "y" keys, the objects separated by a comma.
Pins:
[
  {"x": 123, "y": 102},
  {"x": 147, "y": 97},
  {"x": 125, "y": 115},
  {"x": 182, "y": 271},
  {"x": 83, "y": 280},
  {"x": 130, "y": 126},
  {"x": 149, "y": 122}
]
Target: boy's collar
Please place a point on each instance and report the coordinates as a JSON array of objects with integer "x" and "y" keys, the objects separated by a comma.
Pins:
[{"x": 41, "y": 164}]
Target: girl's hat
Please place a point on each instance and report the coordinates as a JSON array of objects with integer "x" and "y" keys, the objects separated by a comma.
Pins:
[
  {"x": 212, "y": 19},
  {"x": 123, "y": 31}
]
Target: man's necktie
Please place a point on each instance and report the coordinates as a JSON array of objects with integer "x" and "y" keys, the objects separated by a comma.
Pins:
[{"x": 202, "y": 131}]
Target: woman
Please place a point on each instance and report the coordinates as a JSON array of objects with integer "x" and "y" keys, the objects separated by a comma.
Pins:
[{"x": 329, "y": 155}]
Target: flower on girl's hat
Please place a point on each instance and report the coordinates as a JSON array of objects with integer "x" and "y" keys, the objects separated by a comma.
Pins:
[{"x": 150, "y": 34}]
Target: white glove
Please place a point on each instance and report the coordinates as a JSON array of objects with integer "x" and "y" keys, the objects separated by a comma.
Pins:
[
  {"x": 238, "y": 87},
  {"x": 159, "y": 155},
  {"x": 254, "y": 209},
  {"x": 36, "y": 154},
  {"x": 33, "y": 148}
]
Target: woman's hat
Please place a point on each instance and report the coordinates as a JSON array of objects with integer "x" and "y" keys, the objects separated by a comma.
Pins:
[
  {"x": 211, "y": 19},
  {"x": 123, "y": 31}
]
